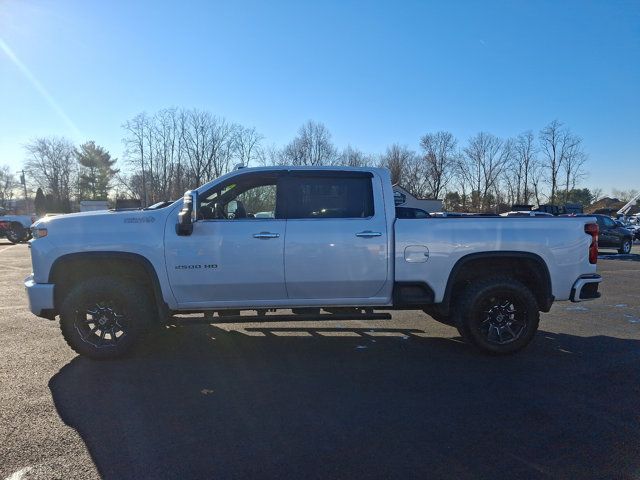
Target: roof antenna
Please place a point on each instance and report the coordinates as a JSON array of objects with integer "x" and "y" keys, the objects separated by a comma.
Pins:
[{"x": 239, "y": 166}]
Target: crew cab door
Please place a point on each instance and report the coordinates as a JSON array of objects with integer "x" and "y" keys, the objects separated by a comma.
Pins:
[
  {"x": 234, "y": 257},
  {"x": 336, "y": 245}
]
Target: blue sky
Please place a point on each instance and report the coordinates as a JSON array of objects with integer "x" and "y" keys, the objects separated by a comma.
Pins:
[{"x": 374, "y": 73}]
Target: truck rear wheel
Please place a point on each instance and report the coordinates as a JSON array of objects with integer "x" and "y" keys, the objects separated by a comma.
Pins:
[
  {"x": 497, "y": 315},
  {"x": 104, "y": 317}
]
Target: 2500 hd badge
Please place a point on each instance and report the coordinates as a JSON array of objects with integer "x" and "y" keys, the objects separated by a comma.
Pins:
[{"x": 193, "y": 267}]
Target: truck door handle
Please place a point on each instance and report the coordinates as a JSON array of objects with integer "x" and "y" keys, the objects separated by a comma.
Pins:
[
  {"x": 368, "y": 234},
  {"x": 265, "y": 235}
]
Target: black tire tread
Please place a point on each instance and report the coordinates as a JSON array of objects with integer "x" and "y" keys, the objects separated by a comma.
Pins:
[
  {"x": 132, "y": 293},
  {"x": 470, "y": 294}
]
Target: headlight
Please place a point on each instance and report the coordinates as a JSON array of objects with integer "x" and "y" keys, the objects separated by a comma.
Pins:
[{"x": 39, "y": 232}]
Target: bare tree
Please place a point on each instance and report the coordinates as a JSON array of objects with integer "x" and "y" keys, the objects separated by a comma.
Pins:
[
  {"x": 537, "y": 179},
  {"x": 573, "y": 166},
  {"x": 7, "y": 186},
  {"x": 51, "y": 164},
  {"x": 136, "y": 152},
  {"x": 168, "y": 171},
  {"x": 247, "y": 145},
  {"x": 352, "y": 157},
  {"x": 176, "y": 149},
  {"x": 312, "y": 146},
  {"x": 550, "y": 141},
  {"x": 524, "y": 161},
  {"x": 415, "y": 176},
  {"x": 268, "y": 156},
  {"x": 197, "y": 133},
  {"x": 439, "y": 152},
  {"x": 561, "y": 149},
  {"x": 624, "y": 195},
  {"x": 462, "y": 180},
  {"x": 597, "y": 194},
  {"x": 397, "y": 159},
  {"x": 511, "y": 182},
  {"x": 486, "y": 157}
]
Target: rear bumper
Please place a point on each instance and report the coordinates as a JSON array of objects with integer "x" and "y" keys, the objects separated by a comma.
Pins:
[
  {"x": 586, "y": 288},
  {"x": 40, "y": 297}
]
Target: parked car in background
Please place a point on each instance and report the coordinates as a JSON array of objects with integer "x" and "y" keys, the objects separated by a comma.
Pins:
[
  {"x": 613, "y": 235},
  {"x": 408, "y": 212},
  {"x": 631, "y": 225},
  {"x": 16, "y": 228}
]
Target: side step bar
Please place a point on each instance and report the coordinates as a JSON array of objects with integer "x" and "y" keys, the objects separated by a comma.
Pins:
[{"x": 206, "y": 319}]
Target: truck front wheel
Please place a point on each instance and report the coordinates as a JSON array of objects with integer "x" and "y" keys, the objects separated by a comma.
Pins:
[
  {"x": 16, "y": 233},
  {"x": 103, "y": 317},
  {"x": 497, "y": 315}
]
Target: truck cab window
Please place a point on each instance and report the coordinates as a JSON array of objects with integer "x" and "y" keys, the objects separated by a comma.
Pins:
[
  {"x": 242, "y": 198},
  {"x": 329, "y": 197}
]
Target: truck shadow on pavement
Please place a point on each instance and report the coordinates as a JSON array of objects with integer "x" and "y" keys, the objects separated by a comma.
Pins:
[
  {"x": 206, "y": 402},
  {"x": 629, "y": 257}
]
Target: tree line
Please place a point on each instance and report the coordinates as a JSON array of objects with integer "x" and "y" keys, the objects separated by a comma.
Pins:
[
  {"x": 175, "y": 149},
  {"x": 58, "y": 172}
]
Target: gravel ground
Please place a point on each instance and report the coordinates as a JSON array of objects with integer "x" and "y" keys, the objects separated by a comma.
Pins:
[{"x": 402, "y": 398}]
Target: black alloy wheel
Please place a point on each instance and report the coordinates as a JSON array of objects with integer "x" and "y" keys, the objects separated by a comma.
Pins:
[
  {"x": 498, "y": 315},
  {"x": 503, "y": 319},
  {"x": 104, "y": 317},
  {"x": 102, "y": 325}
]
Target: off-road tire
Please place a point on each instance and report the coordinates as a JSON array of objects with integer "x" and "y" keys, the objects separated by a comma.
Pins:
[
  {"x": 471, "y": 315},
  {"x": 127, "y": 301}
]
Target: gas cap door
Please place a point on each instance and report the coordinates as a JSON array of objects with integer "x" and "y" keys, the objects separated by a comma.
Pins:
[{"x": 416, "y": 254}]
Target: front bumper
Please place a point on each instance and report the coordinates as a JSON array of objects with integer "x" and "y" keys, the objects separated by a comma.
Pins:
[
  {"x": 586, "y": 288},
  {"x": 40, "y": 297}
]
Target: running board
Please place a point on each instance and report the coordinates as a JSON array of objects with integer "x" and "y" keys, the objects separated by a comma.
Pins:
[{"x": 206, "y": 319}]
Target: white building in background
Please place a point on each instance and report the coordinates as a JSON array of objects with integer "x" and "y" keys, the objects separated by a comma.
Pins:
[{"x": 404, "y": 199}]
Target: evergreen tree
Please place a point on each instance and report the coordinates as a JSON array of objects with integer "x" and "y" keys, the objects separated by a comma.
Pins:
[
  {"x": 40, "y": 203},
  {"x": 96, "y": 171}
]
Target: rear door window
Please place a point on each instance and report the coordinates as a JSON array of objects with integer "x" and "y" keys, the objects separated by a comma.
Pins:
[{"x": 324, "y": 196}]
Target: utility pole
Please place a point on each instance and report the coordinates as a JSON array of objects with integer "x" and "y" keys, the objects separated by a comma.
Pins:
[{"x": 24, "y": 186}]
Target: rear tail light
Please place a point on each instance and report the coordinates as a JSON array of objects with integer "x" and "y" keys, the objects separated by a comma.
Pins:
[{"x": 592, "y": 229}]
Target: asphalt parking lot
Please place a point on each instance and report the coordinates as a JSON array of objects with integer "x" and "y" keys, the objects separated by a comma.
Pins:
[{"x": 388, "y": 399}]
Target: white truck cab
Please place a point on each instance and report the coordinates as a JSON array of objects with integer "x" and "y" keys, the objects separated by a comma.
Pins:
[{"x": 303, "y": 238}]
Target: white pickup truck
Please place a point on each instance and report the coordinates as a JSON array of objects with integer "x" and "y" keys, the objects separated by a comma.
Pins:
[{"x": 303, "y": 239}]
